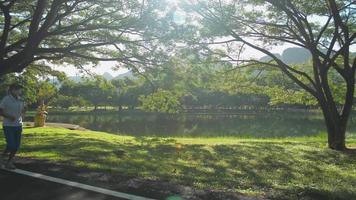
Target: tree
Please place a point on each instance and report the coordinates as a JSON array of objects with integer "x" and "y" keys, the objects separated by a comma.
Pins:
[
  {"x": 94, "y": 90},
  {"x": 325, "y": 28},
  {"x": 37, "y": 86},
  {"x": 78, "y": 32},
  {"x": 118, "y": 93},
  {"x": 63, "y": 101},
  {"x": 132, "y": 89},
  {"x": 268, "y": 82},
  {"x": 161, "y": 101}
]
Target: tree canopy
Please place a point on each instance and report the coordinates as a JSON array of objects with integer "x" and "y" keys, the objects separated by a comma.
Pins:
[{"x": 79, "y": 32}]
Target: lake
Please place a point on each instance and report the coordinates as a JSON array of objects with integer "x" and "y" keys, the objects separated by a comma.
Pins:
[{"x": 261, "y": 125}]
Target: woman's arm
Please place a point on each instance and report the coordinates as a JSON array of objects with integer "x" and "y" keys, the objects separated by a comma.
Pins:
[{"x": 4, "y": 114}]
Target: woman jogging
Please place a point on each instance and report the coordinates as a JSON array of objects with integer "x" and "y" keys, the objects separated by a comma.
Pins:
[{"x": 12, "y": 109}]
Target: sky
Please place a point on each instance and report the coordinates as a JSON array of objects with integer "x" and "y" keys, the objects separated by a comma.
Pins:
[
  {"x": 100, "y": 69},
  {"x": 108, "y": 66}
]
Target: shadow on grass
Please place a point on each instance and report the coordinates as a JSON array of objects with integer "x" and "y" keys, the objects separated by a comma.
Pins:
[{"x": 275, "y": 170}]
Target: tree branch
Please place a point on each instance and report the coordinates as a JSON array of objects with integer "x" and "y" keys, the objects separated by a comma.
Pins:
[
  {"x": 284, "y": 67},
  {"x": 6, "y": 30},
  {"x": 323, "y": 29}
]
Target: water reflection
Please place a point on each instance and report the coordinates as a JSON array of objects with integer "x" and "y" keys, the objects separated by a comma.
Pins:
[{"x": 201, "y": 125}]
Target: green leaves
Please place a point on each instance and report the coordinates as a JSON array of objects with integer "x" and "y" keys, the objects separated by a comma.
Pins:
[
  {"x": 161, "y": 101},
  {"x": 77, "y": 33},
  {"x": 96, "y": 91}
]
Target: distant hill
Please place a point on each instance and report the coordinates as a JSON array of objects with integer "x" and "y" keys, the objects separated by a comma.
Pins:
[
  {"x": 128, "y": 74},
  {"x": 296, "y": 55},
  {"x": 293, "y": 55},
  {"x": 75, "y": 78},
  {"x": 107, "y": 76}
]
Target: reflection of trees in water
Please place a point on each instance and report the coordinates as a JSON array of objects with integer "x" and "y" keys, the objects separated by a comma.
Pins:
[{"x": 260, "y": 125}]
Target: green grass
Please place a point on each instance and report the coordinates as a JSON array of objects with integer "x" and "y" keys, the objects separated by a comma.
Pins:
[{"x": 289, "y": 168}]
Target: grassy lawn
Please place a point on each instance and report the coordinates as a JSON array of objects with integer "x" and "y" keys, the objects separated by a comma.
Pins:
[{"x": 294, "y": 168}]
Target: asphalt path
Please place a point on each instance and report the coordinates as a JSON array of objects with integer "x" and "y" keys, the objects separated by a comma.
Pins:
[{"x": 20, "y": 187}]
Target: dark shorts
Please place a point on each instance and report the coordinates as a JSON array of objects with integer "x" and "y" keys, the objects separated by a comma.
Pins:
[{"x": 13, "y": 137}]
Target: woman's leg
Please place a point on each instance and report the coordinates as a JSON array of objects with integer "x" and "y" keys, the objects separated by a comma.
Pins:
[
  {"x": 13, "y": 137},
  {"x": 16, "y": 136},
  {"x": 9, "y": 140},
  {"x": 5, "y": 153}
]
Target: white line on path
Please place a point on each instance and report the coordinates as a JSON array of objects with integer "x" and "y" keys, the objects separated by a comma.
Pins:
[{"x": 80, "y": 185}]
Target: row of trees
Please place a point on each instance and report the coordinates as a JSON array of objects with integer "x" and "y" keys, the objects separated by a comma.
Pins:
[
  {"x": 158, "y": 96},
  {"x": 179, "y": 85}
]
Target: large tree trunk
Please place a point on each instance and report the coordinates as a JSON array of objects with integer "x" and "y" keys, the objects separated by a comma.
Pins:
[
  {"x": 336, "y": 119},
  {"x": 336, "y": 124},
  {"x": 336, "y": 130}
]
